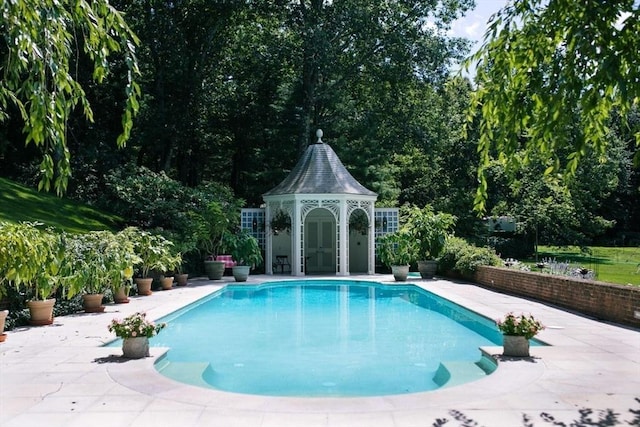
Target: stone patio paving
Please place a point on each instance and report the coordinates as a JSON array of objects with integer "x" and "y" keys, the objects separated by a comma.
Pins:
[{"x": 61, "y": 375}]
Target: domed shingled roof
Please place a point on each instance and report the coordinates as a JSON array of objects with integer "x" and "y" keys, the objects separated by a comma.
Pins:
[{"x": 319, "y": 171}]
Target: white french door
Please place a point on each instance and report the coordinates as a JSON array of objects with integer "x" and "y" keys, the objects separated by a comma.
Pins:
[{"x": 320, "y": 241}]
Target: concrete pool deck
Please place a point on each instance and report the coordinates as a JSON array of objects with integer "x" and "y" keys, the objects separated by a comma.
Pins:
[{"x": 61, "y": 375}]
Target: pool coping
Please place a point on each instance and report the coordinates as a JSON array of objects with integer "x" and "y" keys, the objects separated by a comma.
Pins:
[{"x": 511, "y": 375}]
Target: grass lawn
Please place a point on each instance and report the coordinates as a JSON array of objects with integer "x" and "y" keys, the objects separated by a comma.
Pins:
[
  {"x": 19, "y": 203},
  {"x": 611, "y": 264}
]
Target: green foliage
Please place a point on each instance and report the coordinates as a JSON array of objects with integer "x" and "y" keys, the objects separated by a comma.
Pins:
[
  {"x": 541, "y": 63},
  {"x": 42, "y": 45},
  {"x": 523, "y": 325},
  {"x": 244, "y": 248},
  {"x": 31, "y": 258},
  {"x": 213, "y": 226},
  {"x": 464, "y": 258},
  {"x": 193, "y": 218},
  {"x": 566, "y": 213},
  {"x": 98, "y": 261},
  {"x": 21, "y": 204},
  {"x": 153, "y": 251},
  {"x": 399, "y": 248},
  {"x": 359, "y": 221},
  {"x": 429, "y": 229},
  {"x": 281, "y": 221}
]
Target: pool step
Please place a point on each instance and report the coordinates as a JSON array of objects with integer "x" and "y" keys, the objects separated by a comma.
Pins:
[
  {"x": 458, "y": 372},
  {"x": 188, "y": 372}
]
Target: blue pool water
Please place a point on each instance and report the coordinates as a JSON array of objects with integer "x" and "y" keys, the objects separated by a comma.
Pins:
[{"x": 325, "y": 338}]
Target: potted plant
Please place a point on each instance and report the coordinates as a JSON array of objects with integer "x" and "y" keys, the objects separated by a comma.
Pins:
[
  {"x": 121, "y": 290},
  {"x": 398, "y": 251},
  {"x": 171, "y": 262},
  {"x": 3, "y": 318},
  {"x": 121, "y": 275},
  {"x": 3, "y": 313},
  {"x": 430, "y": 230},
  {"x": 211, "y": 225},
  {"x": 92, "y": 262},
  {"x": 31, "y": 259},
  {"x": 245, "y": 251},
  {"x": 135, "y": 331},
  {"x": 183, "y": 247},
  {"x": 154, "y": 252},
  {"x": 516, "y": 332}
]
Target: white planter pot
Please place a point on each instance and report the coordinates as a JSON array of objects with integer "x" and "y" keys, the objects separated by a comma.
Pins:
[
  {"x": 241, "y": 273},
  {"x": 135, "y": 348},
  {"x": 515, "y": 346},
  {"x": 400, "y": 272}
]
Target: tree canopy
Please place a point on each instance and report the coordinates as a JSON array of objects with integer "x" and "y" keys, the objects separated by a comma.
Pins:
[
  {"x": 231, "y": 92},
  {"x": 43, "y": 44},
  {"x": 541, "y": 62}
]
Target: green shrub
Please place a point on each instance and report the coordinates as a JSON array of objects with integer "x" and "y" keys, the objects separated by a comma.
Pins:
[
  {"x": 187, "y": 216},
  {"x": 464, "y": 258},
  {"x": 430, "y": 229},
  {"x": 453, "y": 249}
]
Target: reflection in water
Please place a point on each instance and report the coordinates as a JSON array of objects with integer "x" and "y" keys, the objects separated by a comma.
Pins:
[{"x": 331, "y": 338}]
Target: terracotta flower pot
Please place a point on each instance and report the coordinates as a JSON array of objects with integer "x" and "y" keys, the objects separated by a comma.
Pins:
[
  {"x": 167, "y": 283},
  {"x": 121, "y": 295},
  {"x": 182, "y": 279},
  {"x": 3, "y": 318},
  {"x": 144, "y": 285},
  {"x": 41, "y": 312},
  {"x": 135, "y": 348},
  {"x": 92, "y": 303}
]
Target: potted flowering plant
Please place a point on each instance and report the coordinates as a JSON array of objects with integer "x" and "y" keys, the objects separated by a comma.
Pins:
[
  {"x": 135, "y": 331},
  {"x": 517, "y": 331}
]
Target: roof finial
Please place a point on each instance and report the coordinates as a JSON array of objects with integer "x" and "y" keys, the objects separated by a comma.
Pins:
[{"x": 319, "y": 135}]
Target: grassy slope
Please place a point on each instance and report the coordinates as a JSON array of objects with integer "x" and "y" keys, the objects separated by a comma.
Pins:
[
  {"x": 611, "y": 264},
  {"x": 19, "y": 203}
]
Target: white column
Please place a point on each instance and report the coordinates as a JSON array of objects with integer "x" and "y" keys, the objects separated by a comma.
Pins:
[
  {"x": 372, "y": 240},
  {"x": 297, "y": 240},
  {"x": 268, "y": 240},
  {"x": 344, "y": 230}
]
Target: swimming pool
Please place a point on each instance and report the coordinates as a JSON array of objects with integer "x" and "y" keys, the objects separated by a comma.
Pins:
[{"x": 325, "y": 338}]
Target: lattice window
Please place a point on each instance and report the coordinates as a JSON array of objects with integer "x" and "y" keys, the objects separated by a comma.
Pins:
[
  {"x": 386, "y": 221},
  {"x": 253, "y": 220}
]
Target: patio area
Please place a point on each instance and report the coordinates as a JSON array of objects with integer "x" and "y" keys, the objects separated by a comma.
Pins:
[{"x": 61, "y": 375}]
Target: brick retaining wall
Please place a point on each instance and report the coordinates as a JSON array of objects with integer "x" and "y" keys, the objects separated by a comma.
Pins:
[{"x": 606, "y": 301}]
